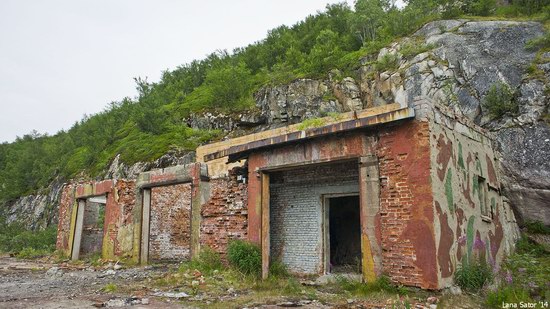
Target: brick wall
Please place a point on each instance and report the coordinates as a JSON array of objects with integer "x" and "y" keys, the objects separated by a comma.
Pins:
[
  {"x": 296, "y": 211},
  {"x": 406, "y": 214},
  {"x": 64, "y": 225},
  {"x": 224, "y": 215},
  {"x": 170, "y": 227}
]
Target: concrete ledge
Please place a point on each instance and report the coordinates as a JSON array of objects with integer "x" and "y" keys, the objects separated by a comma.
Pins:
[
  {"x": 357, "y": 120},
  {"x": 170, "y": 175}
]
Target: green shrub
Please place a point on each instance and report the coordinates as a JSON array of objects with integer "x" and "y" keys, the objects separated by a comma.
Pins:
[
  {"x": 539, "y": 42},
  {"x": 506, "y": 294},
  {"x": 278, "y": 270},
  {"x": 245, "y": 257},
  {"x": 526, "y": 246},
  {"x": 311, "y": 123},
  {"x": 500, "y": 100},
  {"x": 32, "y": 253},
  {"x": 537, "y": 227},
  {"x": 473, "y": 275},
  {"x": 388, "y": 62},
  {"x": 381, "y": 284},
  {"x": 14, "y": 238},
  {"x": 207, "y": 261},
  {"x": 110, "y": 288}
]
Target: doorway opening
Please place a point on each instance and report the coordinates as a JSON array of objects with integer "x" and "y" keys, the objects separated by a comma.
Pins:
[
  {"x": 344, "y": 234},
  {"x": 93, "y": 226}
]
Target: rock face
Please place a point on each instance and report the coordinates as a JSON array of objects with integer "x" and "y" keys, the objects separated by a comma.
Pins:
[
  {"x": 36, "y": 211},
  {"x": 449, "y": 62}
]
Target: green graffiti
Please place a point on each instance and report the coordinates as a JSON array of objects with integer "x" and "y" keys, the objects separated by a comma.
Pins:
[
  {"x": 478, "y": 167},
  {"x": 475, "y": 184},
  {"x": 449, "y": 191},
  {"x": 470, "y": 236},
  {"x": 460, "y": 157}
]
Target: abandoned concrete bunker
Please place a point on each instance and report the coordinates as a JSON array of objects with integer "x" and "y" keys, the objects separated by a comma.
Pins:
[{"x": 410, "y": 192}]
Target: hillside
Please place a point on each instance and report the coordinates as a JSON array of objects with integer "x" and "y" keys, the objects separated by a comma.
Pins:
[{"x": 493, "y": 72}]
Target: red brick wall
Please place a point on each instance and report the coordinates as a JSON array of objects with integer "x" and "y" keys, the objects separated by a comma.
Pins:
[
  {"x": 224, "y": 215},
  {"x": 406, "y": 213},
  {"x": 170, "y": 227},
  {"x": 65, "y": 207}
]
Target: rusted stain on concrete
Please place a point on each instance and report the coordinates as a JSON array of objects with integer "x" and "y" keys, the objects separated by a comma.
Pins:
[
  {"x": 446, "y": 239},
  {"x": 445, "y": 152}
]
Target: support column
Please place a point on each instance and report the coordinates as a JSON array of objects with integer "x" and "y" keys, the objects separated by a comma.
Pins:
[
  {"x": 265, "y": 226},
  {"x": 145, "y": 221},
  {"x": 78, "y": 230},
  {"x": 369, "y": 194},
  {"x": 197, "y": 199}
]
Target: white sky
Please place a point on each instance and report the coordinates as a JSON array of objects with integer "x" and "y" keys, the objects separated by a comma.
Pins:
[{"x": 61, "y": 59}]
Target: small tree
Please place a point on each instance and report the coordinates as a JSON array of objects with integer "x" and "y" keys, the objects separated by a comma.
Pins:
[{"x": 500, "y": 100}]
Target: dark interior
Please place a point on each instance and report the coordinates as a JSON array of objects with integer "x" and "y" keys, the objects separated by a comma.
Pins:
[{"x": 345, "y": 234}]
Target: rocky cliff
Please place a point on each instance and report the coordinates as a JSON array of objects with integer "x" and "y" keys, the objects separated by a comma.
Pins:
[{"x": 452, "y": 62}]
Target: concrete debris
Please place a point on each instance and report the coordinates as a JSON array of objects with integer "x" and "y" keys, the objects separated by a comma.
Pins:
[{"x": 172, "y": 294}]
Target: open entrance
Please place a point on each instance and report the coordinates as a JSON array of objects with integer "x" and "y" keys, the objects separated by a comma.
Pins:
[
  {"x": 89, "y": 227},
  {"x": 344, "y": 234}
]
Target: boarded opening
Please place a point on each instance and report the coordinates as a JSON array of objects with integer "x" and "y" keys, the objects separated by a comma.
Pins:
[
  {"x": 170, "y": 223},
  {"x": 92, "y": 227},
  {"x": 344, "y": 234}
]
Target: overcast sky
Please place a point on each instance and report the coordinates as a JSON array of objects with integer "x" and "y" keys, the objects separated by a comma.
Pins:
[{"x": 61, "y": 59}]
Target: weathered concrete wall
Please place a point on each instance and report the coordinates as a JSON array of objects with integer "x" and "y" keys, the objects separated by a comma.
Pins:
[
  {"x": 406, "y": 214},
  {"x": 66, "y": 204},
  {"x": 224, "y": 215},
  {"x": 296, "y": 211},
  {"x": 170, "y": 227},
  {"x": 472, "y": 220},
  {"x": 119, "y": 221}
]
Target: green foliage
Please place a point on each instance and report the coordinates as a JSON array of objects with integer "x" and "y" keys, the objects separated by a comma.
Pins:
[
  {"x": 278, "y": 270},
  {"x": 207, "y": 261},
  {"x": 245, "y": 257},
  {"x": 526, "y": 246},
  {"x": 524, "y": 276},
  {"x": 536, "y": 227},
  {"x": 388, "y": 62},
  {"x": 311, "y": 123},
  {"x": 542, "y": 42},
  {"x": 110, "y": 288},
  {"x": 411, "y": 49},
  {"x": 14, "y": 238},
  {"x": 472, "y": 275},
  {"x": 32, "y": 253},
  {"x": 382, "y": 284},
  {"x": 500, "y": 100},
  {"x": 147, "y": 126},
  {"x": 506, "y": 294}
]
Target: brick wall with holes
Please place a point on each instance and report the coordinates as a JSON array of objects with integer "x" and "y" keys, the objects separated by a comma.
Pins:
[
  {"x": 170, "y": 225},
  {"x": 224, "y": 215},
  {"x": 406, "y": 199}
]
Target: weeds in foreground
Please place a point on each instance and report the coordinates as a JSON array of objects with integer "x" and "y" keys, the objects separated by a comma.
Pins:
[{"x": 110, "y": 288}]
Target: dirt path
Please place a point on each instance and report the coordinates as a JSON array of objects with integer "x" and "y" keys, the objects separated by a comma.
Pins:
[{"x": 30, "y": 284}]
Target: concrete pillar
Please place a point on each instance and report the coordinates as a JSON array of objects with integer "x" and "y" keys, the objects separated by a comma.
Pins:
[
  {"x": 145, "y": 221},
  {"x": 369, "y": 194},
  {"x": 78, "y": 230},
  {"x": 265, "y": 226}
]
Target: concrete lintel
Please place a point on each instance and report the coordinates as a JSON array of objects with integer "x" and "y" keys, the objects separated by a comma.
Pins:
[{"x": 170, "y": 175}]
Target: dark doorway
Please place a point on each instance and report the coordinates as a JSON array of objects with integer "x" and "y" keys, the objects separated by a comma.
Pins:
[{"x": 344, "y": 234}]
